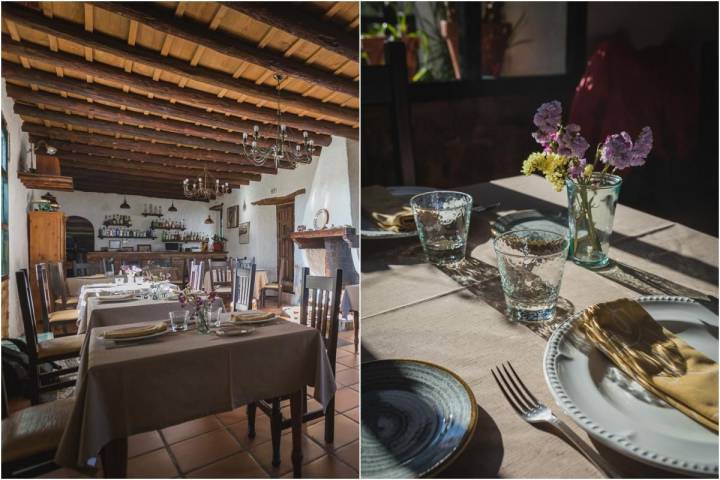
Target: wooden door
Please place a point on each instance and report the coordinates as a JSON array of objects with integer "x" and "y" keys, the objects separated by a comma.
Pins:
[
  {"x": 285, "y": 247},
  {"x": 46, "y": 234}
]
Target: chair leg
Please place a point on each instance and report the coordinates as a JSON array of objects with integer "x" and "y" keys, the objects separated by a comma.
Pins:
[
  {"x": 251, "y": 407},
  {"x": 276, "y": 430},
  {"x": 330, "y": 422},
  {"x": 262, "y": 298},
  {"x": 356, "y": 325}
]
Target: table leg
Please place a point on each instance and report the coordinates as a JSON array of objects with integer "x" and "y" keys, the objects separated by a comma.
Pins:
[
  {"x": 296, "y": 416},
  {"x": 114, "y": 458}
]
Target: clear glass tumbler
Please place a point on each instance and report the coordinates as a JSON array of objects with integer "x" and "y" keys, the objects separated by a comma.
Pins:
[
  {"x": 179, "y": 320},
  {"x": 443, "y": 220},
  {"x": 531, "y": 264}
]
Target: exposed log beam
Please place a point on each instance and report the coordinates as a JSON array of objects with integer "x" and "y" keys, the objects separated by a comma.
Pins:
[
  {"x": 131, "y": 145},
  {"x": 129, "y": 179},
  {"x": 112, "y": 128},
  {"x": 91, "y": 185},
  {"x": 111, "y": 114},
  {"x": 128, "y": 156},
  {"x": 152, "y": 171},
  {"x": 164, "y": 20},
  {"x": 70, "y": 31},
  {"x": 292, "y": 18},
  {"x": 97, "y": 92}
]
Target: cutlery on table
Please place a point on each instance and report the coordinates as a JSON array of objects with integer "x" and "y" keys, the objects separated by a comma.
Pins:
[
  {"x": 532, "y": 411},
  {"x": 482, "y": 208}
]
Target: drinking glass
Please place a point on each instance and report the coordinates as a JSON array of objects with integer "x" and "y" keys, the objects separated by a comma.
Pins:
[
  {"x": 213, "y": 314},
  {"x": 179, "y": 320},
  {"x": 442, "y": 219},
  {"x": 119, "y": 280},
  {"x": 531, "y": 266}
]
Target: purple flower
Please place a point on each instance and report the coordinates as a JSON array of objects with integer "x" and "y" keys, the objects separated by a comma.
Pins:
[
  {"x": 570, "y": 143},
  {"x": 576, "y": 170},
  {"x": 547, "y": 119},
  {"x": 619, "y": 151}
]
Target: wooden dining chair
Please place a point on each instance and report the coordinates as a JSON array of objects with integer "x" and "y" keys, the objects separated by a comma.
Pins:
[
  {"x": 323, "y": 316},
  {"x": 197, "y": 275},
  {"x": 109, "y": 266},
  {"x": 44, "y": 352},
  {"x": 51, "y": 316},
  {"x": 58, "y": 287},
  {"x": 274, "y": 287},
  {"x": 243, "y": 286},
  {"x": 31, "y": 436}
]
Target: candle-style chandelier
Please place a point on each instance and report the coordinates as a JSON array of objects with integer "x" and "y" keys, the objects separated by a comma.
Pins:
[
  {"x": 204, "y": 189},
  {"x": 280, "y": 150}
]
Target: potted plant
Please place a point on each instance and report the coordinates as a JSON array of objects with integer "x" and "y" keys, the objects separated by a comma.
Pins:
[{"x": 218, "y": 243}]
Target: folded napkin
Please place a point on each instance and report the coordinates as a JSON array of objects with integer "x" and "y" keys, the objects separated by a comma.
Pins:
[
  {"x": 389, "y": 212},
  {"x": 239, "y": 317},
  {"x": 654, "y": 357},
  {"x": 106, "y": 297},
  {"x": 140, "y": 331}
]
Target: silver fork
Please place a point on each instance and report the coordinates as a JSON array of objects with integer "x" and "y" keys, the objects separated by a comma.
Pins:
[{"x": 532, "y": 411}]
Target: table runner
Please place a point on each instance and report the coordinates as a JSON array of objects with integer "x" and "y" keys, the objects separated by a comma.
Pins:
[
  {"x": 407, "y": 303},
  {"x": 182, "y": 376}
]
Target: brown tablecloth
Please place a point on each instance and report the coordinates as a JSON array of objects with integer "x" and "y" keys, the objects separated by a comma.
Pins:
[
  {"x": 74, "y": 284},
  {"x": 118, "y": 313},
  {"x": 407, "y": 303},
  {"x": 181, "y": 376}
]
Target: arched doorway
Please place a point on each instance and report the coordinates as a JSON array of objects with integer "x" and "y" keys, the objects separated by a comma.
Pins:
[{"x": 79, "y": 238}]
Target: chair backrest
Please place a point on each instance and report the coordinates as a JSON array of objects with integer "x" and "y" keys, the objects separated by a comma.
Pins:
[
  {"x": 58, "y": 286},
  {"x": 46, "y": 301},
  {"x": 220, "y": 273},
  {"x": 324, "y": 292},
  {"x": 243, "y": 286},
  {"x": 197, "y": 275},
  {"x": 109, "y": 265},
  {"x": 28, "y": 313}
]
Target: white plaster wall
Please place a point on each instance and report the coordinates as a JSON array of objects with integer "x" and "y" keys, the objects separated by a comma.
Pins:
[
  {"x": 19, "y": 196},
  {"x": 327, "y": 182},
  {"x": 94, "y": 206}
]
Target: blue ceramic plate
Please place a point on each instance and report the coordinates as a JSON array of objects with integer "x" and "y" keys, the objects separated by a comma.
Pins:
[{"x": 416, "y": 418}]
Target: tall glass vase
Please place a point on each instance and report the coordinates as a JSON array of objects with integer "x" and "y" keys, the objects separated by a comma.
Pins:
[
  {"x": 591, "y": 212},
  {"x": 202, "y": 323}
]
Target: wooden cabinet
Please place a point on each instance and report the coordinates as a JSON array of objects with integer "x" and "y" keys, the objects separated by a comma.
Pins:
[{"x": 46, "y": 243}]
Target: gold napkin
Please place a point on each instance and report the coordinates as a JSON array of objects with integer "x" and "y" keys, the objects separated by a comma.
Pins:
[
  {"x": 389, "y": 212},
  {"x": 654, "y": 357},
  {"x": 240, "y": 317},
  {"x": 131, "y": 332}
]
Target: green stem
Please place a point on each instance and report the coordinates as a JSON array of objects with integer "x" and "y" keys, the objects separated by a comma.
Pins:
[{"x": 592, "y": 233}]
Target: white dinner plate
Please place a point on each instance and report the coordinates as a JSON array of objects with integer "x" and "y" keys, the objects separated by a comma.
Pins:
[
  {"x": 368, "y": 228},
  {"x": 619, "y": 412}
]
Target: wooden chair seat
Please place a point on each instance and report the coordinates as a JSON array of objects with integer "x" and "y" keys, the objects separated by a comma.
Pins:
[
  {"x": 63, "y": 316},
  {"x": 35, "y": 430},
  {"x": 68, "y": 301},
  {"x": 60, "y": 347}
]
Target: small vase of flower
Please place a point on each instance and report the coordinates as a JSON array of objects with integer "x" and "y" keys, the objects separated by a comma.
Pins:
[
  {"x": 196, "y": 303},
  {"x": 593, "y": 187}
]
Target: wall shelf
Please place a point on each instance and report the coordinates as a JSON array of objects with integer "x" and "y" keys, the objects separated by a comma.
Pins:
[
  {"x": 129, "y": 238},
  {"x": 145, "y": 214}
]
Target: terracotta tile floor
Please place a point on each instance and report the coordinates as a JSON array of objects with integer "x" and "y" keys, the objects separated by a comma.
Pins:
[{"x": 218, "y": 445}]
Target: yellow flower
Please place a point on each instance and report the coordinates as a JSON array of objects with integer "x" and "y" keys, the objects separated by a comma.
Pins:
[
  {"x": 552, "y": 165},
  {"x": 588, "y": 170}
]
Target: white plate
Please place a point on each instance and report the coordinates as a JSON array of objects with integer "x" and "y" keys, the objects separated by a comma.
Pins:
[
  {"x": 368, "y": 228},
  {"x": 619, "y": 412},
  {"x": 233, "y": 331},
  {"x": 239, "y": 323},
  {"x": 135, "y": 339}
]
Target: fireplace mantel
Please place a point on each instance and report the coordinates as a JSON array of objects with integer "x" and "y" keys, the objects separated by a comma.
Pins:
[{"x": 316, "y": 238}]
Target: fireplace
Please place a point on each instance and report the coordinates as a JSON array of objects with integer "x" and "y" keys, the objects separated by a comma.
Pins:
[{"x": 329, "y": 249}]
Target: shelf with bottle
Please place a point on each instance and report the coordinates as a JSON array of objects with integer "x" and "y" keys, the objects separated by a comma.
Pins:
[
  {"x": 186, "y": 237},
  {"x": 150, "y": 210},
  {"x": 167, "y": 225},
  {"x": 117, "y": 220},
  {"x": 119, "y": 232}
]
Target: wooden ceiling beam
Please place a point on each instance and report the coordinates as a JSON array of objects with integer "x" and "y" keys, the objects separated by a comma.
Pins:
[
  {"x": 97, "y": 92},
  {"x": 170, "y": 169},
  {"x": 196, "y": 98},
  {"x": 131, "y": 145},
  {"x": 128, "y": 156},
  {"x": 94, "y": 187},
  {"x": 164, "y": 20},
  {"x": 99, "y": 111},
  {"x": 292, "y": 18},
  {"x": 74, "y": 33},
  {"x": 112, "y": 128}
]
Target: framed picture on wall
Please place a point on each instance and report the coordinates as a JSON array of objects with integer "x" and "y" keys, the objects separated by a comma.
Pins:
[
  {"x": 144, "y": 247},
  {"x": 114, "y": 244},
  {"x": 244, "y": 233},
  {"x": 233, "y": 216}
]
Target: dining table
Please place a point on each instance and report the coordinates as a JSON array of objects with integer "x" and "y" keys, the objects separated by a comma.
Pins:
[
  {"x": 454, "y": 317},
  {"x": 129, "y": 388}
]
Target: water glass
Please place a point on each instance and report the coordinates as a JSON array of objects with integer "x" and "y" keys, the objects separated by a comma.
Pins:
[
  {"x": 119, "y": 280},
  {"x": 212, "y": 313},
  {"x": 179, "y": 320},
  {"x": 442, "y": 219},
  {"x": 531, "y": 266}
]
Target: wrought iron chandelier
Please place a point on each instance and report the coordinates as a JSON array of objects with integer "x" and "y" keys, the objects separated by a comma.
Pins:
[
  {"x": 281, "y": 149},
  {"x": 204, "y": 189}
]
